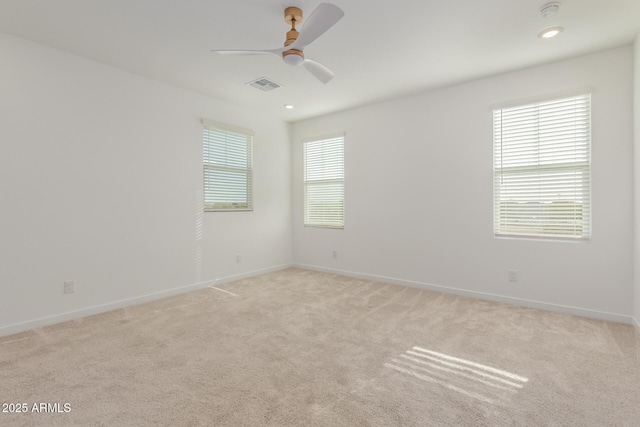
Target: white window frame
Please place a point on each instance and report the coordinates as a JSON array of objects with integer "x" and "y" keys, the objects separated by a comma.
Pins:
[
  {"x": 232, "y": 147},
  {"x": 323, "y": 181},
  {"x": 542, "y": 169}
]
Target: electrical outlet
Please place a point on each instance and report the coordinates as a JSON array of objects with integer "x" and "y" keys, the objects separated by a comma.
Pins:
[
  {"x": 238, "y": 259},
  {"x": 513, "y": 276},
  {"x": 69, "y": 287},
  {"x": 334, "y": 254}
]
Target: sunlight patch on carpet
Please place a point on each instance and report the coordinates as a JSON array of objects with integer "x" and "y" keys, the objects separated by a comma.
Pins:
[
  {"x": 222, "y": 290},
  {"x": 481, "y": 382}
]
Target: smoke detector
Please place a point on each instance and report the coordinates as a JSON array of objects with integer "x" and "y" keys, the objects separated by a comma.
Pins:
[{"x": 550, "y": 9}]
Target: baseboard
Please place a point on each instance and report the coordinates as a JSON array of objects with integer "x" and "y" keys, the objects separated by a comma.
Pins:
[
  {"x": 594, "y": 314},
  {"x": 636, "y": 323},
  {"x": 102, "y": 308}
]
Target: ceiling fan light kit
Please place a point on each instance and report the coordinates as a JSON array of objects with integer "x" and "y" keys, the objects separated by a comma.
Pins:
[
  {"x": 321, "y": 19},
  {"x": 293, "y": 57}
]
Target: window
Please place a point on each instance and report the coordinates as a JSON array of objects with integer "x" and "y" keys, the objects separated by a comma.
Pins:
[
  {"x": 542, "y": 169},
  {"x": 324, "y": 183},
  {"x": 228, "y": 163}
]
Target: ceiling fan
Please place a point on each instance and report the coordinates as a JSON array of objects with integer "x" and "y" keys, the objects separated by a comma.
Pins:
[{"x": 321, "y": 19}]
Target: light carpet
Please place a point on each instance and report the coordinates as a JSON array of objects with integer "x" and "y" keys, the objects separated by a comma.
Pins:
[{"x": 299, "y": 347}]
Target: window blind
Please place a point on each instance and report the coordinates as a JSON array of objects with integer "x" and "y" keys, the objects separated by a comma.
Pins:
[
  {"x": 542, "y": 169},
  {"x": 228, "y": 163},
  {"x": 324, "y": 182}
]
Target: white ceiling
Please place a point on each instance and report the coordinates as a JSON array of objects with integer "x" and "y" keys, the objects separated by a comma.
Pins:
[{"x": 379, "y": 50}]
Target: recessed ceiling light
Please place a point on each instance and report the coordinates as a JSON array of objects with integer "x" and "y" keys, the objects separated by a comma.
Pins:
[
  {"x": 550, "y": 33},
  {"x": 288, "y": 106}
]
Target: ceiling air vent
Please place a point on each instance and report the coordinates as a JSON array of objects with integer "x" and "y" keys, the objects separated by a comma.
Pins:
[{"x": 264, "y": 84}]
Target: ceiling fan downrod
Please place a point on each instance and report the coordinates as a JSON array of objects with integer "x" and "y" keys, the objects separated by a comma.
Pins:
[{"x": 293, "y": 16}]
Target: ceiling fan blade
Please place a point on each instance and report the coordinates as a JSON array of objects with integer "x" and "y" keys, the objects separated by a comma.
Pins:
[
  {"x": 324, "y": 17},
  {"x": 250, "y": 52},
  {"x": 321, "y": 72}
]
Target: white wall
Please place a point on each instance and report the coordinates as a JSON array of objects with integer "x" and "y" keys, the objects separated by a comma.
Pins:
[
  {"x": 636, "y": 152},
  {"x": 101, "y": 183},
  {"x": 419, "y": 193}
]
